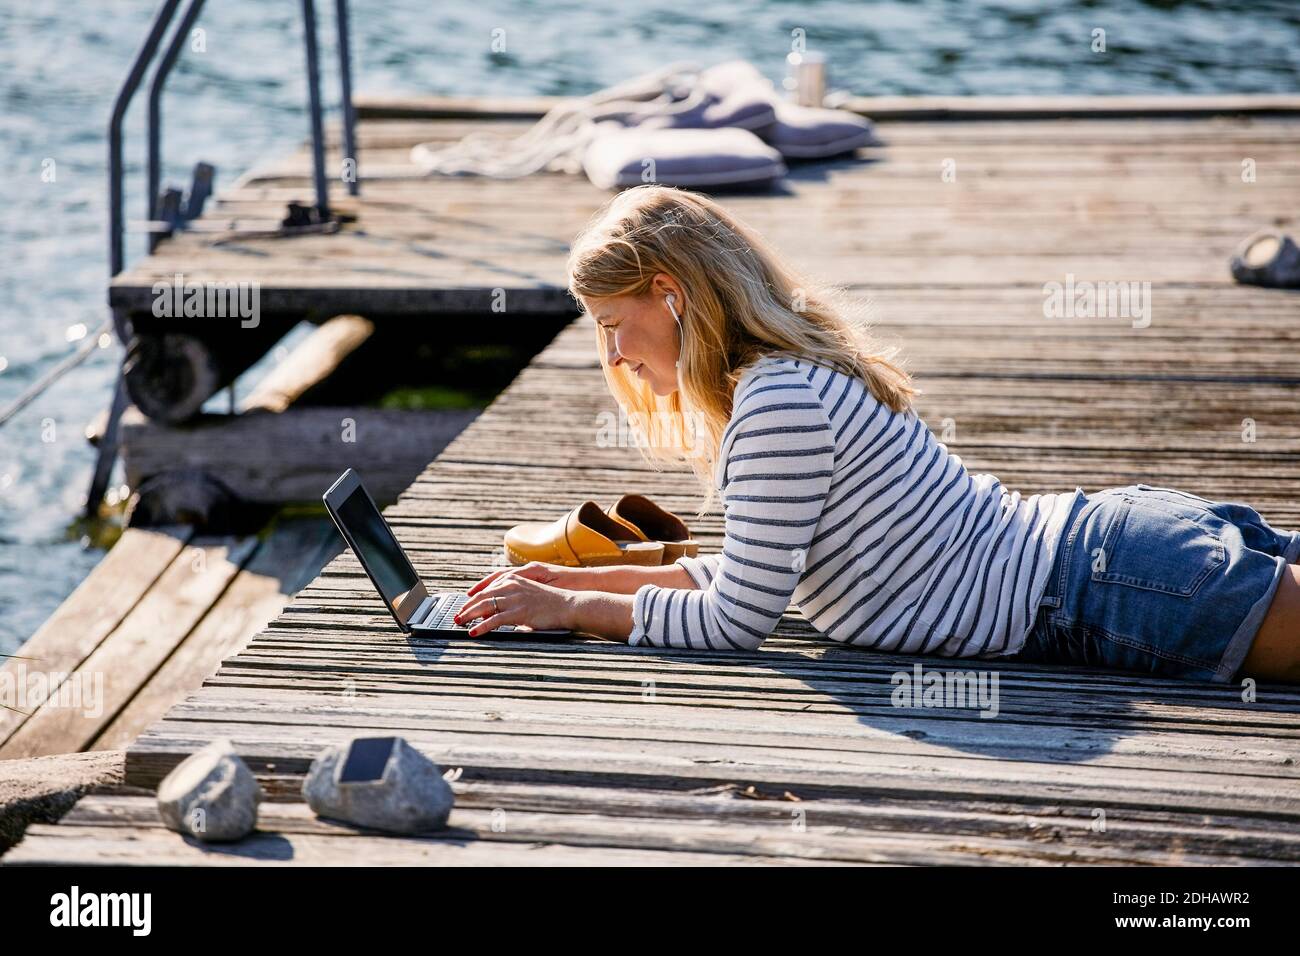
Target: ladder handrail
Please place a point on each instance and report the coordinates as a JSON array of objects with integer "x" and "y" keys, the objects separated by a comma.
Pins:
[
  {"x": 162, "y": 19},
  {"x": 144, "y": 56},
  {"x": 345, "y": 85},
  {"x": 155, "y": 104},
  {"x": 313, "y": 97}
]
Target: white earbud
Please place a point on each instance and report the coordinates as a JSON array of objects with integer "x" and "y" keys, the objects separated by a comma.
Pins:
[{"x": 670, "y": 299}]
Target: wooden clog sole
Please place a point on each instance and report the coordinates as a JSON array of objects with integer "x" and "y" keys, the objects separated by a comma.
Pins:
[{"x": 633, "y": 552}]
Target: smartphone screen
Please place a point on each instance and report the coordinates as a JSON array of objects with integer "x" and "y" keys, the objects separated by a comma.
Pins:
[{"x": 366, "y": 759}]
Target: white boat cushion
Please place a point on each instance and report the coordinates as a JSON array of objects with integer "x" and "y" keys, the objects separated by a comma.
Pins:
[
  {"x": 620, "y": 157},
  {"x": 729, "y": 94},
  {"x": 810, "y": 132}
]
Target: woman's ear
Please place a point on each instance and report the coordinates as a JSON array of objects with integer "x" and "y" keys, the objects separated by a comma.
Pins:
[{"x": 666, "y": 286}]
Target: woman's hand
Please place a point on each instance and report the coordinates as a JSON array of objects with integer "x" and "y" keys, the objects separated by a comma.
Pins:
[
  {"x": 544, "y": 596},
  {"x": 530, "y": 595},
  {"x": 556, "y": 575}
]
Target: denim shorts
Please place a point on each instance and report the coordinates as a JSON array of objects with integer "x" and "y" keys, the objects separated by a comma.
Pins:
[{"x": 1161, "y": 582}]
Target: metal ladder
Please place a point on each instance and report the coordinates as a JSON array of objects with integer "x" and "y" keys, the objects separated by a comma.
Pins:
[{"x": 157, "y": 30}]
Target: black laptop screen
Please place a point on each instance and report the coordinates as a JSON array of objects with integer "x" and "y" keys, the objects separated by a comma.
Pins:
[{"x": 377, "y": 547}]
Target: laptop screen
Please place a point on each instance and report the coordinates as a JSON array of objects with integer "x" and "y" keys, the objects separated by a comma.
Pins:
[{"x": 378, "y": 549}]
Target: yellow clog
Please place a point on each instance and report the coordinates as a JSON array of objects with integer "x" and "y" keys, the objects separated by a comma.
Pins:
[
  {"x": 585, "y": 537},
  {"x": 649, "y": 522}
]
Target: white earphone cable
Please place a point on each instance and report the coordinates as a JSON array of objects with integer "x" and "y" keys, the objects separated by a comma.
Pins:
[{"x": 681, "y": 331}]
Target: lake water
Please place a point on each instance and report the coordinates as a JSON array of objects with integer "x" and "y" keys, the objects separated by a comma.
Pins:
[{"x": 243, "y": 97}]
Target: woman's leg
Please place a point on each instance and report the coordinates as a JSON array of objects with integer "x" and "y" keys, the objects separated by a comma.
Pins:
[{"x": 1275, "y": 653}]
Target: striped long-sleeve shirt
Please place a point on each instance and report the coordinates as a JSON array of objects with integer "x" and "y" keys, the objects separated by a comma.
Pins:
[{"x": 862, "y": 519}]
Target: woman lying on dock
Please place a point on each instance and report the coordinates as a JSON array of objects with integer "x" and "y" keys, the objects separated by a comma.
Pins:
[{"x": 839, "y": 499}]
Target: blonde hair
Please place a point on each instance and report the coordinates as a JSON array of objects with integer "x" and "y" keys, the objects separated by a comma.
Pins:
[{"x": 742, "y": 302}]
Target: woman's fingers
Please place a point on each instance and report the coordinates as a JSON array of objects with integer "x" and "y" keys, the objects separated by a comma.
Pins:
[
  {"x": 487, "y": 606},
  {"x": 486, "y": 603},
  {"x": 473, "y": 610},
  {"x": 492, "y": 622},
  {"x": 485, "y": 581},
  {"x": 533, "y": 571},
  {"x": 498, "y": 575}
]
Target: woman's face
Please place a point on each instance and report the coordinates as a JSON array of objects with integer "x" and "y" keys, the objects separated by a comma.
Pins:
[{"x": 640, "y": 334}]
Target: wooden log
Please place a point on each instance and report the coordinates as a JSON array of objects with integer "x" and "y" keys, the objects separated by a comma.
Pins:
[
  {"x": 309, "y": 364},
  {"x": 170, "y": 376},
  {"x": 294, "y": 455}
]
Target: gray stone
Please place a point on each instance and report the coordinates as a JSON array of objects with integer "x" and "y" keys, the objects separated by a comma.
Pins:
[
  {"x": 211, "y": 795},
  {"x": 408, "y": 796}
]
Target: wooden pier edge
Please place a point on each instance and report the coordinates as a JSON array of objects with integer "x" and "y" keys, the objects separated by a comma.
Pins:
[{"x": 885, "y": 108}]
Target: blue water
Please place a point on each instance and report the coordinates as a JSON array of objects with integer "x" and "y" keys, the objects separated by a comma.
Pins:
[{"x": 241, "y": 98}]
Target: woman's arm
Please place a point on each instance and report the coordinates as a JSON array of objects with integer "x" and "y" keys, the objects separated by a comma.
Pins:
[
  {"x": 532, "y": 597},
  {"x": 626, "y": 578},
  {"x": 605, "y": 606},
  {"x": 601, "y": 614},
  {"x": 593, "y": 600},
  {"x": 614, "y": 579},
  {"x": 779, "y": 456}
]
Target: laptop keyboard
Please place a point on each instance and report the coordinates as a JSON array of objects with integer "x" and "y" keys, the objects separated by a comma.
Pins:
[
  {"x": 442, "y": 617},
  {"x": 443, "y": 613}
]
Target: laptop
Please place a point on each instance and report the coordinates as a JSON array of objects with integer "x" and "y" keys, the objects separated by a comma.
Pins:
[{"x": 390, "y": 570}]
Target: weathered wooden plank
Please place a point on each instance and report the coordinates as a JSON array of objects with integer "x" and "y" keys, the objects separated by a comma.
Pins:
[
  {"x": 1017, "y": 733},
  {"x": 82, "y": 622},
  {"x": 104, "y": 847},
  {"x": 804, "y": 675},
  {"x": 670, "y": 763},
  {"x": 792, "y": 835},
  {"x": 110, "y": 675},
  {"x": 730, "y": 804},
  {"x": 290, "y": 556}
]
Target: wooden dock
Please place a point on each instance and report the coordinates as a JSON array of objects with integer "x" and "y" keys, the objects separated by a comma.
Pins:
[{"x": 590, "y": 752}]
